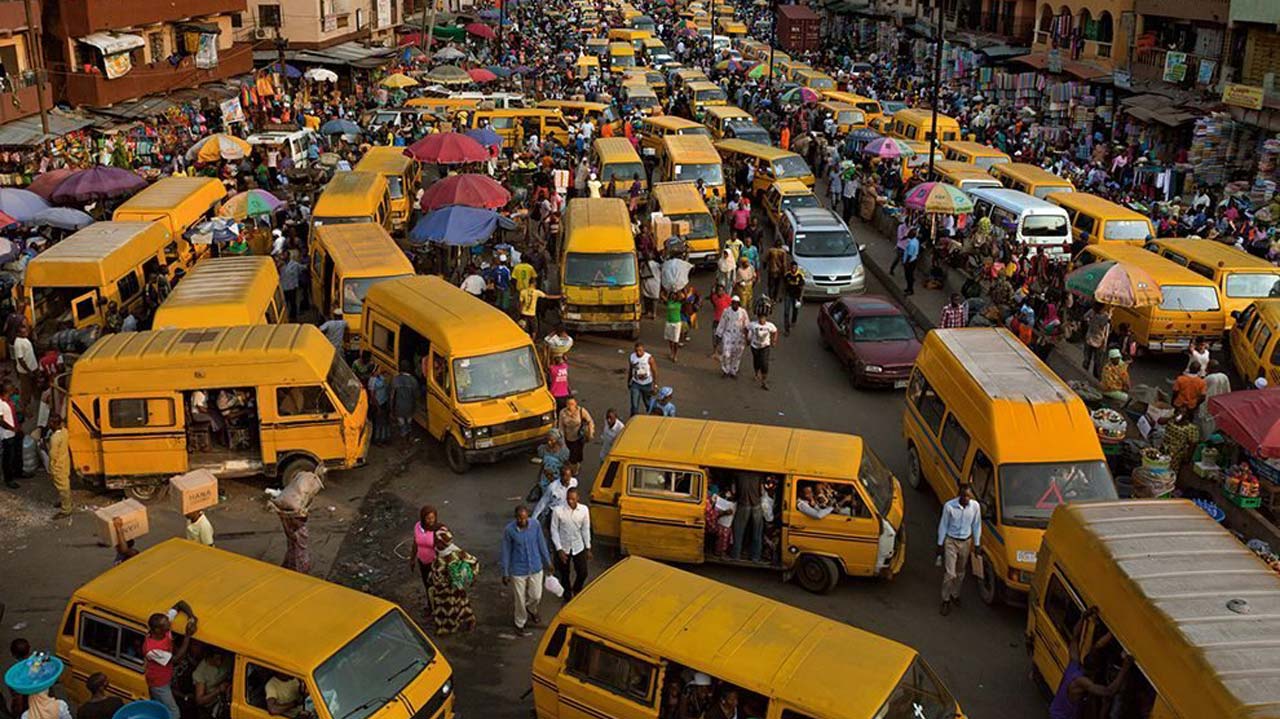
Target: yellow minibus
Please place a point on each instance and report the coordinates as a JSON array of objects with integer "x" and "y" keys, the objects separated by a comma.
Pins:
[
  {"x": 974, "y": 153},
  {"x": 180, "y": 203},
  {"x": 680, "y": 202},
  {"x": 814, "y": 79},
  {"x": 979, "y": 406},
  {"x": 1239, "y": 276},
  {"x": 402, "y": 175},
  {"x": 618, "y": 162},
  {"x": 267, "y": 399},
  {"x": 1189, "y": 308},
  {"x": 72, "y": 283},
  {"x": 871, "y": 109},
  {"x": 916, "y": 124},
  {"x": 484, "y": 395},
  {"x": 346, "y": 649},
  {"x": 641, "y": 630},
  {"x": 785, "y": 195},
  {"x": 651, "y": 493},
  {"x": 690, "y": 159},
  {"x": 515, "y": 124},
  {"x": 1098, "y": 221},
  {"x": 1254, "y": 342},
  {"x": 1159, "y": 582},
  {"x": 1031, "y": 179},
  {"x": 846, "y": 116},
  {"x": 352, "y": 197},
  {"x": 707, "y": 94},
  {"x": 346, "y": 260},
  {"x": 225, "y": 291},
  {"x": 622, "y": 55},
  {"x": 771, "y": 163},
  {"x": 599, "y": 272},
  {"x": 963, "y": 175},
  {"x": 653, "y": 130}
]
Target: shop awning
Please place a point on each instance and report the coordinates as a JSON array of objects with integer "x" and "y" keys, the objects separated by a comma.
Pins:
[
  {"x": 28, "y": 130},
  {"x": 347, "y": 53},
  {"x": 156, "y": 105},
  {"x": 1150, "y": 107},
  {"x": 204, "y": 28},
  {"x": 111, "y": 43},
  {"x": 1075, "y": 68},
  {"x": 1001, "y": 52}
]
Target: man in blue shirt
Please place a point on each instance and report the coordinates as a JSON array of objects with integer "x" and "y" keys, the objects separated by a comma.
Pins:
[
  {"x": 959, "y": 534},
  {"x": 524, "y": 555},
  {"x": 910, "y": 255}
]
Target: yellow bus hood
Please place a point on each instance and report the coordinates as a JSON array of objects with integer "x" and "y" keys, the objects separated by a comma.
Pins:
[
  {"x": 489, "y": 412},
  {"x": 625, "y": 295}
]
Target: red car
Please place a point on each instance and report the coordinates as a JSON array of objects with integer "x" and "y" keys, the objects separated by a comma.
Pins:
[{"x": 872, "y": 338}]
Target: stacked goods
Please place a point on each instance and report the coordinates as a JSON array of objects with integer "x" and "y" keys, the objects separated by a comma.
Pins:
[
  {"x": 1153, "y": 479},
  {"x": 1110, "y": 425},
  {"x": 1241, "y": 486}
]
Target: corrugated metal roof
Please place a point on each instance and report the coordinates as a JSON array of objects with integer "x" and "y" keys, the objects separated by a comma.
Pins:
[{"x": 28, "y": 130}]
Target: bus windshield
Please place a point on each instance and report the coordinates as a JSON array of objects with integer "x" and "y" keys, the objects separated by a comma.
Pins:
[
  {"x": 919, "y": 695},
  {"x": 1030, "y": 492},
  {"x": 496, "y": 375},
  {"x": 1183, "y": 298},
  {"x": 700, "y": 224},
  {"x": 1248, "y": 284},
  {"x": 623, "y": 172},
  {"x": 790, "y": 166},
  {"x": 710, "y": 174},
  {"x": 1127, "y": 230},
  {"x": 603, "y": 269},
  {"x": 877, "y": 480},
  {"x": 371, "y": 670},
  {"x": 354, "y": 290}
]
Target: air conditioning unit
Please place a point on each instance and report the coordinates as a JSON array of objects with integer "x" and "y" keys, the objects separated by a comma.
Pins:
[{"x": 264, "y": 33}]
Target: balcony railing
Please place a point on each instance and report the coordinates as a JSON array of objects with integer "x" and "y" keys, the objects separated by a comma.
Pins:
[
  {"x": 85, "y": 17},
  {"x": 19, "y": 96},
  {"x": 95, "y": 90},
  {"x": 1149, "y": 63}
]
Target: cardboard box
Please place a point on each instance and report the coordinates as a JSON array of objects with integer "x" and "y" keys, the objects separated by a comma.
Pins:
[
  {"x": 132, "y": 514},
  {"x": 194, "y": 491},
  {"x": 662, "y": 229},
  {"x": 680, "y": 227}
]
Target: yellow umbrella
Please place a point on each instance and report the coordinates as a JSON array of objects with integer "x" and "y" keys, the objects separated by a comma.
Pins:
[
  {"x": 219, "y": 146},
  {"x": 398, "y": 81}
]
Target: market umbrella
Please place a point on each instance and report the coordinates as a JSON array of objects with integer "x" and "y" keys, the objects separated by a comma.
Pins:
[
  {"x": 470, "y": 190},
  {"x": 97, "y": 183},
  {"x": 489, "y": 13},
  {"x": 801, "y": 94},
  {"x": 6, "y": 220},
  {"x": 340, "y": 127},
  {"x": 448, "y": 54},
  {"x": 411, "y": 53},
  {"x": 250, "y": 203},
  {"x": 45, "y": 183},
  {"x": 1251, "y": 418},
  {"x": 499, "y": 70},
  {"x": 1115, "y": 283},
  {"x": 398, "y": 81},
  {"x": 938, "y": 197},
  {"x": 21, "y": 205},
  {"x": 457, "y": 226},
  {"x": 888, "y": 148},
  {"x": 731, "y": 65},
  {"x": 219, "y": 229},
  {"x": 448, "y": 33},
  {"x": 482, "y": 31},
  {"x": 219, "y": 146},
  {"x": 522, "y": 70},
  {"x": 320, "y": 74},
  {"x": 864, "y": 134},
  {"x": 447, "y": 148},
  {"x": 290, "y": 71},
  {"x": 486, "y": 136},
  {"x": 449, "y": 75},
  {"x": 479, "y": 74},
  {"x": 63, "y": 218},
  {"x": 759, "y": 71}
]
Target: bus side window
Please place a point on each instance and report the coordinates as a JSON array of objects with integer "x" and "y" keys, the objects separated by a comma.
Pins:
[
  {"x": 927, "y": 401},
  {"x": 1062, "y": 608},
  {"x": 628, "y": 676},
  {"x": 981, "y": 474}
]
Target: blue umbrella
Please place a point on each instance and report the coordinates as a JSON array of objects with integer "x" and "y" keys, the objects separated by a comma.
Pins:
[
  {"x": 217, "y": 230},
  {"x": 340, "y": 127},
  {"x": 290, "y": 71},
  {"x": 63, "y": 218},
  {"x": 21, "y": 205},
  {"x": 489, "y": 13},
  {"x": 458, "y": 226},
  {"x": 499, "y": 70},
  {"x": 486, "y": 136}
]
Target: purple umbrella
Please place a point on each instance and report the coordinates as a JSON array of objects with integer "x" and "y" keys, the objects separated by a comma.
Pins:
[
  {"x": 21, "y": 205},
  {"x": 97, "y": 183},
  {"x": 486, "y": 136}
]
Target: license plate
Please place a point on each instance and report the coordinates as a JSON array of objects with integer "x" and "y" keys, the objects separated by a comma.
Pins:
[
  {"x": 648, "y": 151},
  {"x": 833, "y": 290},
  {"x": 900, "y": 384},
  {"x": 1177, "y": 344},
  {"x": 573, "y": 315},
  {"x": 1026, "y": 557},
  {"x": 484, "y": 443}
]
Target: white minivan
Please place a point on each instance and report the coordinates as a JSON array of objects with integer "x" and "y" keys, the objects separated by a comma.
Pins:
[{"x": 1030, "y": 220}]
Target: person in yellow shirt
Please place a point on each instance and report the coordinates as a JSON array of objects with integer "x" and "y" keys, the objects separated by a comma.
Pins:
[
  {"x": 529, "y": 297},
  {"x": 60, "y": 465},
  {"x": 523, "y": 274},
  {"x": 199, "y": 528}
]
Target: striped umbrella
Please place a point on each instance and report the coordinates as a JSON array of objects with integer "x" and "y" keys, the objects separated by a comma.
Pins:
[
  {"x": 250, "y": 203},
  {"x": 888, "y": 148},
  {"x": 801, "y": 94},
  {"x": 938, "y": 197},
  {"x": 1115, "y": 283},
  {"x": 219, "y": 146}
]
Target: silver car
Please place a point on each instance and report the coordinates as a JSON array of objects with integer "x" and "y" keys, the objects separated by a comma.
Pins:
[{"x": 824, "y": 248}]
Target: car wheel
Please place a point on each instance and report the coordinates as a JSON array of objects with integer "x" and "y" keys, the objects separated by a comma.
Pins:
[
  {"x": 455, "y": 455},
  {"x": 144, "y": 492},
  {"x": 915, "y": 473},
  {"x": 990, "y": 588},
  {"x": 817, "y": 574}
]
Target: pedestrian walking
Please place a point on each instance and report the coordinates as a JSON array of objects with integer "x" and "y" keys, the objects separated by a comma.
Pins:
[
  {"x": 524, "y": 556},
  {"x": 910, "y": 255},
  {"x": 423, "y": 557},
  {"x": 576, "y": 428},
  {"x": 763, "y": 335},
  {"x": 954, "y": 313},
  {"x": 1097, "y": 324},
  {"x": 404, "y": 399},
  {"x": 558, "y": 380},
  {"x": 101, "y": 704},
  {"x": 453, "y": 572},
  {"x": 642, "y": 372},
  {"x": 60, "y": 464},
  {"x": 27, "y": 368},
  {"x": 297, "y": 551},
  {"x": 674, "y": 326},
  {"x": 380, "y": 403},
  {"x": 720, "y": 300},
  {"x": 10, "y": 438},
  {"x": 612, "y": 428},
  {"x": 732, "y": 331},
  {"x": 290, "y": 280},
  {"x": 161, "y": 654},
  {"x": 775, "y": 263},
  {"x": 744, "y": 287},
  {"x": 571, "y": 535},
  {"x": 793, "y": 282},
  {"x": 959, "y": 536}
]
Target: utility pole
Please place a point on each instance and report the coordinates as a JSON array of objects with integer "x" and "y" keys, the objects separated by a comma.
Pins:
[
  {"x": 431, "y": 32},
  {"x": 937, "y": 80},
  {"x": 502, "y": 20},
  {"x": 773, "y": 42},
  {"x": 35, "y": 58},
  {"x": 281, "y": 43},
  {"x": 424, "y": 30}
]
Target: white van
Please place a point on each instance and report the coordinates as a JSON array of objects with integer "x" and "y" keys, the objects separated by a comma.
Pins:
[
  {"x": 289, "y": 143},
  {"x": 1030, "y": 220}
]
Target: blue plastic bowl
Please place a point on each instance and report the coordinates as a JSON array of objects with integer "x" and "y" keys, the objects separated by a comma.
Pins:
[
  {"x": 142, "y": 709},
  {"x": 24, "y": 679}
]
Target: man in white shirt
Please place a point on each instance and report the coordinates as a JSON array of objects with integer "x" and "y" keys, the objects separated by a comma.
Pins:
[
  {"x": 571, "y": 536},
  {"x": 10, "y": 445},
  {"x": 473, "y": 283},
  {"x": 959, "y": 534},
  {"x": 335, "y": 329},
  {"x": 555, "y": 493},
  {"x": 24, "y": 360},
  {"x": 762, "y": 334}
]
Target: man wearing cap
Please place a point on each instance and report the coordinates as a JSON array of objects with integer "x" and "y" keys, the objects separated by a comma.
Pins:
[
  {"x": 732, "y": 331},
  {"x": 661, "y": 403}
]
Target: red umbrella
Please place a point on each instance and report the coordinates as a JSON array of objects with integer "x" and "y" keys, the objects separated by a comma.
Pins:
[
  {"x": 479, "y": 74},
  {"x": 470, "y": 190},
  {"x": 47, "y": 182},
  {"x": 1251, "y": 418},
  {"x": 447, "y": 148},
  {"x": 6, "y": 220},
  {"x": 481, "y": 30}
]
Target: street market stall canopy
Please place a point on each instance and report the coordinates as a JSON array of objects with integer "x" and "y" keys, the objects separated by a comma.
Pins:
[
  {"x": 1082, "y": 70},
  {"x": 469, "y": 189},
  {"x": 1150, "y": 107},
  {"x": 1251, "y": 418},
  {"x": 341, "y": 55},
  {"x": 156, "y": 105},
  {"x": 458, "y": 226},
  {"x": 28, "y": 131},
  {"x": 110, "y": 43}
]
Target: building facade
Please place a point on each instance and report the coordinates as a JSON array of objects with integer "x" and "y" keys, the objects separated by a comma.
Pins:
[
  {"x": 102, "y": 52},
  {"x": 21, "y": 85},
  {"x": 318, "y": 24},
  {"x": 1093, "y": 31}
]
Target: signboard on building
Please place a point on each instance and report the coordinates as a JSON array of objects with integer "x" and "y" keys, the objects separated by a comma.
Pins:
[
  {"x": 1175, "y": 66},
  {"x": 329, "y": 23},
  {"x": 382, "y": 15},
  {"x": 207, "y": 51},
  {"x": 1246, "y": 96},
  {"x": 232, "y": 111}
]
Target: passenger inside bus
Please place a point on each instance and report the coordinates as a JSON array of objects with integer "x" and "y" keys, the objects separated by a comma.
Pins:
[
  {"x": 227, "y": 417},
  {"x": 690, "y": 694}
]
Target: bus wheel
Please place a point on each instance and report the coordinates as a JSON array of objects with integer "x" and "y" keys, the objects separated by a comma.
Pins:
[
  {"x": 915, "y": 473},
  {"x": 455, "y": 456},
  {"x": 294, "y": 467},
  {"x": 817, "y": 574},
  {"x": 144, "y": 491},
  {"x": 989, "y": 587}
]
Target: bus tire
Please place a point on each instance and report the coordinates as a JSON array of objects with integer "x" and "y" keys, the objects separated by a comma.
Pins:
[
  {"x": 990, "y": 588},
  {"x": 915, "y": 473},
  {"x": 455, "y": 455},
  {"x": 817, "y": 574}
]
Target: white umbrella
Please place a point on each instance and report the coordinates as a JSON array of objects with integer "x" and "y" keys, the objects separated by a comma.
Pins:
[
  {"x": 320, "y": 74},
  {"x": 449, "y": 54}
]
